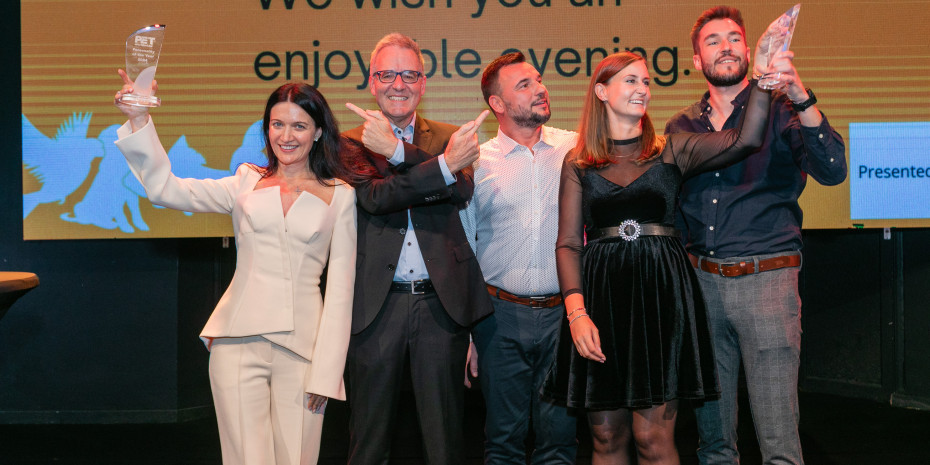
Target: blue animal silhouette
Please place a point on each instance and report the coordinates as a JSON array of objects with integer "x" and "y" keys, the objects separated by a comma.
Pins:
[
  {"x": 105, "y": 203},
  {"x": 189, "y": 163},
  {"x": 251, "y": 150},
  {"x": 61, "y": 164},
  {"x": 112, "y": 201}
]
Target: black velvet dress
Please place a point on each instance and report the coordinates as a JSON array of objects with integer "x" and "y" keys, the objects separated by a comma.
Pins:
[{"x": 642, "y": 295}]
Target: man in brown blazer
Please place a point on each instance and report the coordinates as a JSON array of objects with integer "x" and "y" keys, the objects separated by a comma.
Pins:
[{"x": 418, "y": 287}]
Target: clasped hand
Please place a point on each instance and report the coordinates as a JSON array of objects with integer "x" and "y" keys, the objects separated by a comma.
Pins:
[
  {"x": 782, "y": 66},
  {"x": 138, "y": 115}
]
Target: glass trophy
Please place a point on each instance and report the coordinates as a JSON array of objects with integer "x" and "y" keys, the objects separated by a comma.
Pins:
[
  {"x": 142, "y": 50},
  {"x": 776, "y": 38}
]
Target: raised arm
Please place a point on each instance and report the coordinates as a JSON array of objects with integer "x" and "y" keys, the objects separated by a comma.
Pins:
[
  {"x": 148, "y": 161},
  {"x": 429, "y": 180},
  {"x": 817, "y": 148},
  {"x": 696, "y": 153},
  {"x": 420, "y": 184}
]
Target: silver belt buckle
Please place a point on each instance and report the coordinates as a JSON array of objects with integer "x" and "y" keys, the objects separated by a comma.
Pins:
[
  {"x": 629, "y": 230},
  {"x": 413, "y": 288}
]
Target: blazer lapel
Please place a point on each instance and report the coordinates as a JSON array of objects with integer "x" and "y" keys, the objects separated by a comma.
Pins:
[{"x": 422, "y": 136}]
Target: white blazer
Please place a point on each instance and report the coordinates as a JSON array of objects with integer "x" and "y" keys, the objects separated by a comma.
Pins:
[{"x": 275, "y": 291}]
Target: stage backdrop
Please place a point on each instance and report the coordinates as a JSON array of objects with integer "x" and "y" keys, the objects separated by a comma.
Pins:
[{"x": 868, "y": 62}]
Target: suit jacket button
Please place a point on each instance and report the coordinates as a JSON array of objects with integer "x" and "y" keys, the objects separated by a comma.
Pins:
[
  {"x": 402, "y": 231},
  {"x": 391, "y": 267}
]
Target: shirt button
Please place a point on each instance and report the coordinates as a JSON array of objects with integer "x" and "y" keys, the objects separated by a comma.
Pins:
[
  {"x": 711, "y": 228},
  {"x": 831, "y": 160},
  {"x": 410, "y": 243},
  {"x": 411, "y": 271},
  {"x": 717, "y": 175},
  {"x": 711, "y": 252},
  {"x": 820, "y": 136},
  {"x": 714, "y": 201}
]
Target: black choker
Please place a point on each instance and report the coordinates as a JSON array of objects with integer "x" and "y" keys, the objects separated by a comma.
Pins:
[{"x": 626, "y": 141}]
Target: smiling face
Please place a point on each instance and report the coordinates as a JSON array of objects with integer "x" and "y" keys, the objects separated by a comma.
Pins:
[
  {"x": 626, "y": 94},
  {"x": 397, "y": 100},
  {"x": 291, "y": 132},
  {"x": 521, "y": 98},
  {"x": 722, "y": 53}
]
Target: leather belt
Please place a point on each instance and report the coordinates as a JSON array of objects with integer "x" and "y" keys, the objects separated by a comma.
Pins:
[
  {"x": 422, "y": 286},
  {"x": 630, "y": 230},
  {"x": 740, "y": 268},
  {"x": 544, "y": 301}
]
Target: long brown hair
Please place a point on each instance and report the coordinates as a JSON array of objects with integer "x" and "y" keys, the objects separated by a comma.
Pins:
[
  {"x": 332, "y": 156},
  {"x": 594, "y": 145}
]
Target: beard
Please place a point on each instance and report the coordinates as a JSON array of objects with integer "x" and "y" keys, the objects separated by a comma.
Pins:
[
  {"x": 725, "y": 79},
  {"x": 528, "y": 118}
]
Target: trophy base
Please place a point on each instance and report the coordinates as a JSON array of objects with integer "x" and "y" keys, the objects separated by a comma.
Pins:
[
  {"x": 137, "y": 100},
  {"x": 771, "y": 81}
]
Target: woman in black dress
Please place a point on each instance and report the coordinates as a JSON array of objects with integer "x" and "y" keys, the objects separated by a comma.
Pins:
[{"x": 636, "y": 337}]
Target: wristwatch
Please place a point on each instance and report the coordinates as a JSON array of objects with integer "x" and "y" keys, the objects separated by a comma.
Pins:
[{"x": 811, "y": 100}]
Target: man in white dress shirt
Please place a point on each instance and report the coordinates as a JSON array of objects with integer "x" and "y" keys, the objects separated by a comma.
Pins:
[{"x": 512, "y": 222}]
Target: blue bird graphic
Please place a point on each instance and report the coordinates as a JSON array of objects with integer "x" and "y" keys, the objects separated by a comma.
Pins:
[{"x": 61, "y": 164}]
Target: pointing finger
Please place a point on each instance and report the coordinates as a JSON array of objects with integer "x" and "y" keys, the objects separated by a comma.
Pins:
[
  {"x": 480, "y": 119},
  {"x": 470, "y": 128},
  {"x": 358, "y": 111}
]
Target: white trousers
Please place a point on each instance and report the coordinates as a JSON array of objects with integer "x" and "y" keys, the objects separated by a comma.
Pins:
[{"x": 261, "y": 406}]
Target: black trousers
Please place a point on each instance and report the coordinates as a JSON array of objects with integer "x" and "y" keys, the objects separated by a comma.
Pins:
[{"x": 414, "y": 326}]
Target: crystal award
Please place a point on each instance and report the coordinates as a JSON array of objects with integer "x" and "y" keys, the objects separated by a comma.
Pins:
[
  {"x": 776, "y": 38},
  {"x": 142, "y": 50}
]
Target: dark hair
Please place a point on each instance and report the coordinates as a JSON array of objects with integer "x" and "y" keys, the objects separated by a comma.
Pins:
[
  {"x": 324, "y": 160},
  {"x": 489, "y": 85},
  {"x": 717, "y": 12},
  {"x": 594, "y": 146}
]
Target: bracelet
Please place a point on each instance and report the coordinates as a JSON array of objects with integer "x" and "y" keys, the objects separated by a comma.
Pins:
[
  {"x": 575, "y": 310},
  {"x": 577, "y": 317}
]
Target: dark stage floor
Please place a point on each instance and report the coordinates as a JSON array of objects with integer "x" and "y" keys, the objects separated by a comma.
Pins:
[{"x": 834, "y": 431}]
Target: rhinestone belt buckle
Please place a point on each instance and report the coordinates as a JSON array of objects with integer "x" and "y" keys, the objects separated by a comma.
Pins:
[{"x": 629, "y": 230}]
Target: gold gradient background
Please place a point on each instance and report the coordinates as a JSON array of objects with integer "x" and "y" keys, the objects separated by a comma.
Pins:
[{"x": 868, "y": 61}]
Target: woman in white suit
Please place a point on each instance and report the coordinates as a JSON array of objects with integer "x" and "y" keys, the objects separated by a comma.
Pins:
[{"x": 277, "y": 347}]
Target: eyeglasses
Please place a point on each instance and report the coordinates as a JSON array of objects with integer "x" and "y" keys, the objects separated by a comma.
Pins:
[{"x": 408, "y": 76}]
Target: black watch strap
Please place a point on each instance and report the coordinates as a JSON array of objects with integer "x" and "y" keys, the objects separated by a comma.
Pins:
[{"x": 811, "y": 100}]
